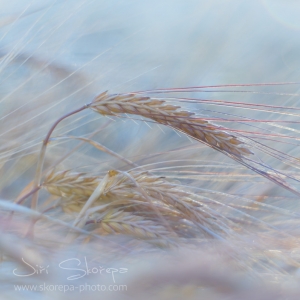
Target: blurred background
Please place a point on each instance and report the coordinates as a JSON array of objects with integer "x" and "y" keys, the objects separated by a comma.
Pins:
[
  {"x": 56, "y": 56},
  {"x": 124, "y": 45}
]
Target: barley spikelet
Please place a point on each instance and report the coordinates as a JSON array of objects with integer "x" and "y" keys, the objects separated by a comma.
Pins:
[
  {"x": 66, "y": 184},
  {"x": 173, "y": 116},
  {"x": 121, "y": 222},
  {"x": 183, "y": 214},
  {"x": 79, "y": 186}
]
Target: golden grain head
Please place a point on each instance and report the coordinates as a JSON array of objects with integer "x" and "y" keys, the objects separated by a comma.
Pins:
[{"x": 172, "y": 116}]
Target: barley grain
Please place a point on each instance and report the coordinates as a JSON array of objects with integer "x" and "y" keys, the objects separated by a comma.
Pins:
[{"x": 173, "y": 116}]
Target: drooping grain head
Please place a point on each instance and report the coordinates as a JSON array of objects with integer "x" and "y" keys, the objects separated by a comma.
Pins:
[{"x": 172, "y": 116}]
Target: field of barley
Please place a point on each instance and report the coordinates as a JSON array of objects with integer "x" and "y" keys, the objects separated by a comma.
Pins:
[{"x": 149, "y": 149}]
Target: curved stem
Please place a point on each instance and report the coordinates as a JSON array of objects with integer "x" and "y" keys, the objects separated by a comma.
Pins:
[{"x": 41, "y": 159}]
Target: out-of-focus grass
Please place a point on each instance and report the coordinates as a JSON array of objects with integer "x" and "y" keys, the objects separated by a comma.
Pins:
[{"x": 56, "y": 56}]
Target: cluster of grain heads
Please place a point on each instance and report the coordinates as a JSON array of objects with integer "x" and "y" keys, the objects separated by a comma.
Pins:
[
  {"x": 141, "y": 192},
  {"x": 134, "y": 203},
  {"x": 152, "y": 208},
  {"x": 173, "y": 116}
]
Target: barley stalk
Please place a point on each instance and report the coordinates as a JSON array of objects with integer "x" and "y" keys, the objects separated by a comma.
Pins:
[
  {"x": 173, "y": 116},
  {"x": 40, "y": 164},
  {"x": 202, "y": 130}
]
